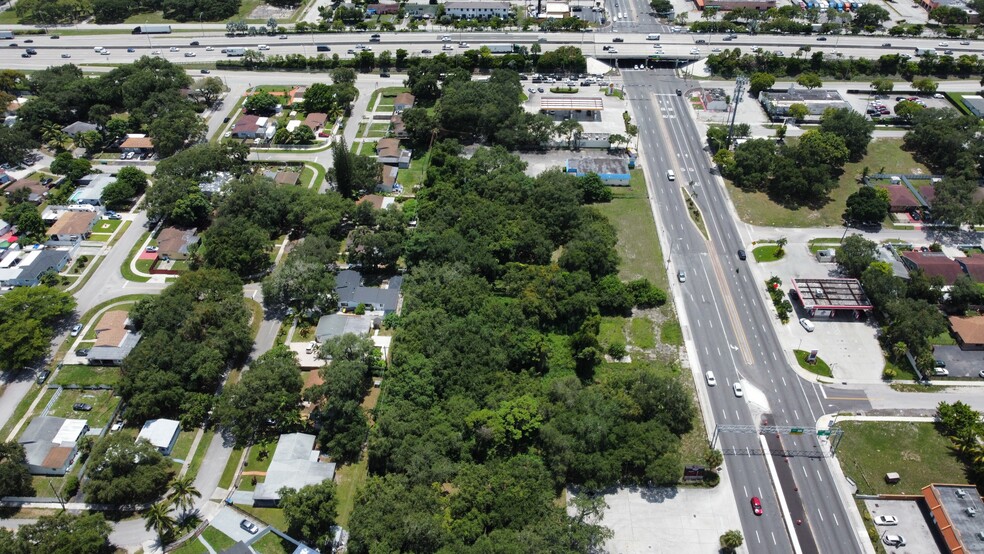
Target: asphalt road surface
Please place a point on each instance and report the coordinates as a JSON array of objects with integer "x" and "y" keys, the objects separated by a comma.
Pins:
[{"x": 731, "y": 329}]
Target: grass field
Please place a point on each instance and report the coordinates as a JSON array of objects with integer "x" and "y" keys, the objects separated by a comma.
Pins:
[
  {"x": 641, "y": 333},
  {"x": 196, "y": 462},
  {"x": 817, "y": 245},
  {"x": 883, "y": 154},
  {"x": 229, "y": 473},
  {"x": 638, "y": 244},
  {"x": 125, "y": 267},
  {"x": 388, "y": 97},
  {"x": 193, "y": 546},
  {"x": 271, "y": 543},
  {"x": 368, "y": 148},
  {"x": 103, "y": 403},
  {"x": 820, "y": 367},
  {"x": 766, "y": 253},
  {"x": 271, "y": 516},
  {"x": 916, "y": 451},
  {"x": 415, "y": 174},
  {"x": 182, "y": 447},
  {"x": 349, "y": 478},
  {"x": 86, "y": 375},
  {"x": 671, "y": 333},
  {"x": 217, "y": 539}
]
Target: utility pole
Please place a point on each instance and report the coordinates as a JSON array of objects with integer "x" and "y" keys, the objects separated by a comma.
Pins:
[{"x": 739, "y": 91}]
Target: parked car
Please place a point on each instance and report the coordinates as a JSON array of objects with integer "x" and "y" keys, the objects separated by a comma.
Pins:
[
  {"x": 82, "y": 407},
  {"x": 756, "y": 506},
  {"x": 114, "y": 216},
  {"x": 82, "y": 352},
  {"x": 941, "y": 372},
  {"x": 76, "y": 329},
  {"x": 249, "y": 527},
  {"x": 152, "y": 249},
  {"x": 886, "y": 520},
  {"x": 807, "y": 324},
  {"x": 43, "y": 376},
  {"x": 893, "y": 540},
  {"x": 939, "y": 96}
]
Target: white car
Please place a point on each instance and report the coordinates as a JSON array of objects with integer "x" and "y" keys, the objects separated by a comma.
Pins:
[
  {"x": 893, "y": 540},
  {"x": 739, "y": 392},
  {"x": 938, "y": 96},
  {"x": 941, "y": 372},
  {"x": 174, "y": 49},
  {"x": 462, "y": 45},
  {"x": 711, "y": 381},
  {"x": 944, "y": 44},
  {"x": 807, "y": 324},
  {"x": 190, "y": 54},
  {"x": 209, "y": 49},
  {"x": 886, "y": 520},
  {"x": 446, "y": 38}
]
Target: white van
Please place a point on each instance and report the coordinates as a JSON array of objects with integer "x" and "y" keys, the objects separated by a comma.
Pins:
[
  {"x": 652, "y": 36},
  {"x": 670, "y": 175},
  {"x": 97, "y": 49},
  {"x": 263, "y": 47}
]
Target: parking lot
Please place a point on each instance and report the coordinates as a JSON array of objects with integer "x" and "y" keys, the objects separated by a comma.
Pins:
[
  {"x": 913, "y": 525},
  {"x": 963, "y": 364},
  {"x": 861, "y": 102}
]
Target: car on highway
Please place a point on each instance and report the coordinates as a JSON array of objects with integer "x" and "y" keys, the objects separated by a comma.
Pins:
[
  {"x": 613, "y": 51},
  {"x": 205, "y": 72},
  {"x": 715, "y": 49},
  {"x": 25, "y": 55},
  {"x": 682, "y": 276},
  {"x": 964, "y": 43},
  {"x": 82, "y": 407},
  {"x": 12, "y": 45},
  {"x": 445, "y": 38},
  {"x": 739, "y": 392},
  {"x": 741, "y": 255},
  {"x": 156, "y": 53},
  {"x": 807, "y": 324},
  {"x": 618, "y": 39},
  {"x": 711, "y": 380},
  {"x": 29, "y": 41},
  {"x": 131, "y": 50},
  {"x": 43, "y": 376},
  {"x": 76, "y": 329},
  {"x": 886, "y": 45},
  {"x": 822, "y": 39},
  {"x": 886, "y": 520},
  {"x": 249, "y": 527},
  {"x": 173, "y": 49},
  {"x": 948, "y": 52},
  {"x": 425, "y": 51},
  {"x": 944, "y": 44},
  {"x": 893, "y": 540},
  {"x": 190, "y": 54},
  {"x": 756, "y": 506},
  {"x": 209, "y": 49},
  {"x": 462, "y": 45},
  {"x": 55, "y": 36},
  {"x": 194, "y": 43}
]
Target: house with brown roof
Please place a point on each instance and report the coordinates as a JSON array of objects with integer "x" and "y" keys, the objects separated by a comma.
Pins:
[
  {"x": 934, "y": 264},
  {"x": 315, "y": 121},
  {"x": 173, "y": 243},
  {"x": 390, "y": 181},
  {"x": 382, "y": 9},
  {"x": 51, "y": 443},
  {"x": 969, "y": 331},
  {"x": 403, "y": 101},
  {"x": 72, "y": 227},
  {"x": 111, "y": 328},
  {"x": 36, "y": 191},
  {"x": 397, "y": 128},
  {"x": 389, "y": 152},
  {"x": 374, "y": 199},
  {"x": 137, "y": 144},
  {"x": 250, "y": 126},
  {"x": 114, "y": 339},
  {"x": 973, "y": 265},
  {"x": 901, "y": 199}
]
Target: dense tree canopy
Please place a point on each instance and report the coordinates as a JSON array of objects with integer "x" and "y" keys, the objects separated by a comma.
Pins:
[
  {"x": 310, "y": 513},
  {"x": 14, "y": 477},
  {"x": 29, "y": 318},
  {"x": 123, "y": 472},
  {"x": 63, "y": 533}
]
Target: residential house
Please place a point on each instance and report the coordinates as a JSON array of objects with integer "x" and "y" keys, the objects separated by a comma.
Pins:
[
  {"x": 295, "y": 464},
  {"x": 115, "y": 339},
  {"x": 283, "y": 177},
  {"x": 389, "y": 179},
  {"x": 138, "y": 144},
  {"x": 214, "y": 182},
  {"x": 53, "y": 212},
  {"x": 901, "y": 199},
  {"x": 5, "y": 227},
  {"x": 161, "y": 433},
  {"x": 24, "y": 268},
  {"x": 403, "y": 101},
  {"x": 36, "y": 191},
  {"x": 389, "y": 152},
  {"x": 336, "y": 325},
  {"x": 51, "y": 444},
  {"x": 382, "y": 9},
  {"x": 933, "y": 264},
  {"x": 72, "y": 227},
  {"x": 315, "y": 121},
  {"x": 973, "y": 265},
  {"x": 351, "y": 293},
  {"x": 78, "y": 128},
  {"x": 969, "y": 331},
  {"x": 173, "y": 243},
  {"x": 613, "y": 171},
  {"x": 478, "y": 10},
  {"x": 253, "y": 126},
  {"x": 91, "y": 189},
  {"x": 397, "y": 128}
]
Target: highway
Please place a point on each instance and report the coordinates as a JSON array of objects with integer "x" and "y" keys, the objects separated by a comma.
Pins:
[
  {"x": 80, "y": 48},
  {"x": 731, "y": 330}
]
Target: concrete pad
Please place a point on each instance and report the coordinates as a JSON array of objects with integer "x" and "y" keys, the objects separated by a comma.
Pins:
[
  {"x": 227, "y": 521},
  {"x": 913, "y": 525},
  {"x": 679, "y": 520}
]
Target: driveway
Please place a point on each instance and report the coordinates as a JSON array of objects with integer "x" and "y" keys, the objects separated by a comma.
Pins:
[{"x": 227, "y": 521}]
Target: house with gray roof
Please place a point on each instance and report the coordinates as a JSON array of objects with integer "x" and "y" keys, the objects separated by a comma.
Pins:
[
  {"x": 295, "y": 464},
  {"x": 78, "y": 128},
  {"x": 114, "y": 354},
  {"x": 351, "y": 293},
  {"x": 336, "y": 325},
  {"x": 51, "y": 444}
]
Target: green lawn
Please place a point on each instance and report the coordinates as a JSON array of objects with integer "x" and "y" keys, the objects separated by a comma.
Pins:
[
  {"x": 106, "y": 225},
  {"x": 378, "y": 130},
  {"x": 415, "y": 174},
  {"x": 217, "y": 539},
  {"x": 349, "y": 478},
  {"x": 125, "y": 267},
  {"x": 229, "y": 473},
  {"x": 389, "y": 96},
  {"x": 85, "y": 375},
  {"x": 916, "y": 451},
  {"x": 272, "y": 516},
  {"x": 943, "y": 339},
  {"x": 638, "y": 244},
  {"x": 355, "y": 146},
  {"x": 820, "y": 367},
  {"x": 368, "y": 148},
  {"x": 272, "y": 543},
  {"x": 103, "y": 403},
  {"x": 756, "y": 207},
  {"x": 766, "y": 253},
  {"x": 196, "y": 462},
  {"x": 194, "y": 546},
  {"x": 641, "y": 333},
  {"x": 612, "y": 331},
  {"x": 817, "y": 245},
  {"x": 182, "y": 447},
  {"x": 671, "y": 333}
]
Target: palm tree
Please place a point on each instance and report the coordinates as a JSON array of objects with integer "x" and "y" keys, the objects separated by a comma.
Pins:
[
  {"x": 183, "y": 492},
  {"x": 779, "y": 246},
  {"x": 87, "y": 140},
  {"x": 159, "y": 519},
  {"x": 569, "y": 128},
  {"x": 53, "y": 136}
]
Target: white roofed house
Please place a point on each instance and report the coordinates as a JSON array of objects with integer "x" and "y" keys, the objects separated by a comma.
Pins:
[
  {"x": 51, "y": 444},
  {"x": 162, "y": 433},
  {"x": 295, "y": 464}
]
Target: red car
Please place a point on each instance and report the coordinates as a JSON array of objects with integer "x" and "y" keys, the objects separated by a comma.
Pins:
[{"x": 756, "y": 506}]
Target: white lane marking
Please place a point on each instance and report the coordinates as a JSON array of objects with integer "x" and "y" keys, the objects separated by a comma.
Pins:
[
  {"x": 819, "y": 476},
  {"x": 757, "y": 537},
  {"x": 835, "y": 520},
  {"x": 821, "y": 513},
  {"x": 774, "y": 539}
]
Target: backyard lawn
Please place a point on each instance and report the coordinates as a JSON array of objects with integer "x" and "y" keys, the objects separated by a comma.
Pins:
[
  {"x": 271, "y": 543},
  {"x": 103, "y": 403},
  {"x": 916, "y": 451},
  {"x": 415, "y": 174},
  {"x": 217, "y": 539},
  {"x": 349, "y": 477},
  {"x": 87, "y": 375},
  {"x": 883, "y": 154}
]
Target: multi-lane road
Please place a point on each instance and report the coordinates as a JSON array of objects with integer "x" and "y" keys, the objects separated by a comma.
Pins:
[
  {"x": 635, "y": 46},
  {"x": 731, "y": 332}
]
